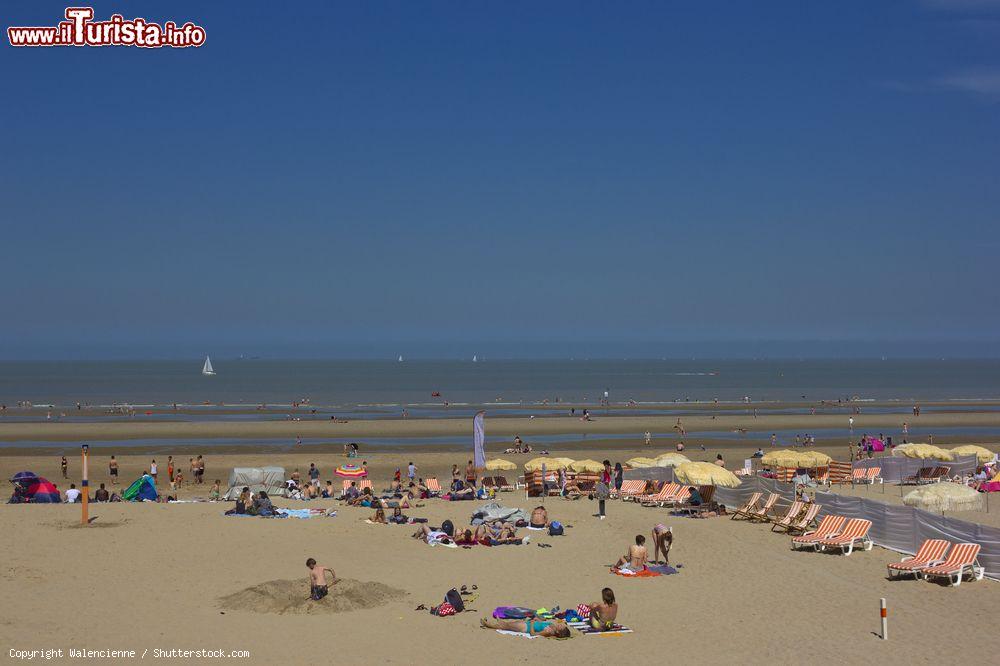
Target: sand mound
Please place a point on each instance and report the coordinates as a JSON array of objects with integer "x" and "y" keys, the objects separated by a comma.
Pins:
[{"x": 292, "y": 597}]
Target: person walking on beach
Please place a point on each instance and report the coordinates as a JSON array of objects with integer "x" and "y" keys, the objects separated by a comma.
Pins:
[
  {"x": 200, "y": 470},
  {"x": 470, "y": 474},
  {"x": 313, "y": 475},
  {"x": 411, "y": 472},
  {"x": 319, "y": 587},
  {"x": 152, "y": 469},
  {"x": 774, "y": 439},
  {"x": 649, "y": 438},
  {"x": 170, "y": 470},
  {"x": 65, "y": 467},
  {"x": 850, "y": 423},
  {"x": 113, "y": 471}
]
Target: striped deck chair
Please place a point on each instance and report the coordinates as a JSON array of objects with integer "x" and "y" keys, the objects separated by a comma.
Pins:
[
  {"x": 805, "y": 521},
  {"x": 854, "y": 532},
  {"x": 503, "y": 484},
  {"x": 433, "y": 487},
  {"x": 631, "y": 488},
  {"x": 362, "y": 483},
  {"x": 858, "y": 475},
  {"x": 840, "y": 472},
  {"x": 794, "y": 509},
  {"x": 871, "y": 474},
  {"x": 769, "y": 503},
  {"x": 751, "y": 506},
  {"x": 679, "y": 497},
  {"x": 830, "y": 526},
  {"x": 931, "y": 552},
  {"x": 668, "y": 490},
  {"x": 961, "y": 559}
]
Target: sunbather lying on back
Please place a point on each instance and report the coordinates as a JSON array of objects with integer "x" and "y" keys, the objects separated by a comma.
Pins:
[
  {"x": 539, "y": 517},
  {"x": 545, "y": 628},
  {"x": 429, "y": 535}
]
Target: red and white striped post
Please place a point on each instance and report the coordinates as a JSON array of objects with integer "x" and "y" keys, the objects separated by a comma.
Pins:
[
  {"x": 885, "y": 624},
  {"x": 85, "y": 483}
]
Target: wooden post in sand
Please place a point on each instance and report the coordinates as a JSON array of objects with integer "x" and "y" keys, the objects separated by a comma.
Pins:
[{"x": 85, "y": 490}]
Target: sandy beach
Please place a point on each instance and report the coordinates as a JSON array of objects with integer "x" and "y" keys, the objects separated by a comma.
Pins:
[{"x": 178, "y": 568}]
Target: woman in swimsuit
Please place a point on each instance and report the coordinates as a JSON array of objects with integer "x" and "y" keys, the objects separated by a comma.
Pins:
[
  {"x": 663, "y": 538},
  {"x": 544, "y": 628},
  {"x": 604, "y": 612}
]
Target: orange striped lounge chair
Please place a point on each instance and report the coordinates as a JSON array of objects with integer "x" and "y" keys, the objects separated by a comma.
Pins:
[
  {"x": 631, "y": 488},
  {"x": 362, "y": 483},
  {"x": 930, "y": 553},
  {"x": 872, "y": 475},
  {"x": 751, "y": 506},
  {"x": 840, "y": 472},
  {"x": 830, "y": 526},
  {"x": 794, "y": 509},
  {"x": 682, "y": 494},
  {"x": 769, "y": 503},
  {"x": 805, "y": 521},
  {"x": 855, "y": 532},
  {"x": 433, "y": 487},
  {"x": 666, "y": 492},
  {"x": 961, "y": 559}
]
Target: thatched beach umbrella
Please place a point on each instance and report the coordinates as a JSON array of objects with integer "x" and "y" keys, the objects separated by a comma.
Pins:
[
  {"x": 671, "y": 460},
  {"x": 923, "y": 452},
  {"x": 782, "y": 458},
  {"x": 586, "y": 466},
  {"x": 640, "y": 462},
  {"x": 983, "y": 455},
  {"x": 813, "y": 459},
  {"x": 945, "y": 496},
  {"x": 705, "y": 474},
  {"x": 551, "y": 464},
  {"x": 500, "y": 465}
]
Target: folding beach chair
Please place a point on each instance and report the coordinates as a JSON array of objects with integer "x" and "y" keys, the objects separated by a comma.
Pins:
[
  {"x": 769, "y": 503},
  {"x": 433, "y": 487},
  {"x": 748, "y": 508},
  {"x": 794, "y": 509},
  {"x": 961, "y": 559},
  {"x": 805, "y": 521},
  {"x": 854, "y": 533},
  {"x": 631, "y": 488},
  {"x": 829, "y": 527},
  {"x": 668, "y": 490},
  {"x": 930, "y": 553},
  {"x": 872, "y": 475}
]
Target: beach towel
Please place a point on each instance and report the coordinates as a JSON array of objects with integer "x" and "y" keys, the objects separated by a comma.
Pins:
[
  {"x": 519, "y": 634},
  {"x": 587, "y": 630},
  {"x": 645, "y": 573},
  {"x": 301, "y": 513}
]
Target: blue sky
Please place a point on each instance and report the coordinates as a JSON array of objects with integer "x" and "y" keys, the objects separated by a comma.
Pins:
[{"x": 328, "y": 177}]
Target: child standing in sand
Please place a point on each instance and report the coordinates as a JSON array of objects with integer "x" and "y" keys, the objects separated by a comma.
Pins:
[{"x": 318, "y": 586}]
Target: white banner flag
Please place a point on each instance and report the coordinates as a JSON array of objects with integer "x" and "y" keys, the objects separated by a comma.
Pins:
[{"x": 479, "y": 440}]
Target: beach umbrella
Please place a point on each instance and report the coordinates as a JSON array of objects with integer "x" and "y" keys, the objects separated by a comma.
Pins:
[
  {"x": 671, "y": 460},
  {"x": 563, "y": 463},
  {"x": 813, "y": 459},
  {"x": 783, "y": 458},
  {"x": 705, "y": 474},
  {"x": 945, "y": 496},
  {"x": 923, "y": 452},
  {"x": 350, "y": 471},
  {"x": 983, "y": 455},
  {"x": 586, "y": 466},
  {"x": 500, "y": 465},
  {"x": 25, "y": 477},
  {"x": 551, "y": 464},
  {"x": 640, "y": 462}
]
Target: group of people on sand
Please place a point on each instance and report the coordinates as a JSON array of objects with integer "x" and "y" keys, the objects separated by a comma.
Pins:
[
  {"x": 491, "y": 533},
  {"x": 252, "y": 504},
  {"x": 602, "y": 615},
  {"x": 636, "y": 557}
]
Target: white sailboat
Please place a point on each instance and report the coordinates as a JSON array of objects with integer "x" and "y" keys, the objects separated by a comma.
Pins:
[
  {"x": 207, "y": 368},
  {"x": 400, "y": 359},
  {"x": 475, "y": 359}
]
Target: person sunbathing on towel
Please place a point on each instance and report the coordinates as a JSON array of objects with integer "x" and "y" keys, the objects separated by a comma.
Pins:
[
  {"x": 634, "y": 560},
  {"x": 539, "y": 518},
  {"x": 429, "y": 535},
  {"x": 604, "y": 612},
  {"x": 498, "y": 533},
  {"x": 544, "y": 628}
]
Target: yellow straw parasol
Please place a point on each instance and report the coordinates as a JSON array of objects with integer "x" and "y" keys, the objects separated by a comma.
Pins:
[
  {"x": 945, "y": 496},
  {"x": 671, "y": 460},
  {"x": 705, "y": 474},
  {"x": 923, "y": 452},
  {"x": 551, "y": 464},
  {"x": 640, "y": 462},
  {"x": 586, "y": 466},
  {"x": 500, "y": 465},
  {"x": 782, "y": 458},
  {"x": 815, "y": 459},
  {"x": 983, "y": 455}
]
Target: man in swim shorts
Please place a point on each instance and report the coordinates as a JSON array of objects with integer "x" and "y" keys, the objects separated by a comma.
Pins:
[{"x": 318, "y": 585}]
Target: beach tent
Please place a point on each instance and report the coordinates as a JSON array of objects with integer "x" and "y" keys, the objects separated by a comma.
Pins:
[
  {"x": 141, "y": 490},
  {"x": 36, "y": 489},
  {"x": 269, "y": 479}
]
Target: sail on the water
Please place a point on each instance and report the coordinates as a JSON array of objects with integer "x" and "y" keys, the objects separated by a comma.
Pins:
[{"x": 207, "y": 369}]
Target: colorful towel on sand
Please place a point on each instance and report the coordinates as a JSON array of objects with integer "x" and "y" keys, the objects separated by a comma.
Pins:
[
  {"x": 587, "y": 630},
  {"x": 302, "y": 513},
  {"x": 648, "y": 572}
]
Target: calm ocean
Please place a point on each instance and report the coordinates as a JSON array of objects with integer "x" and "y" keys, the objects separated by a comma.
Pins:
[{"x": 390, "y": 383}]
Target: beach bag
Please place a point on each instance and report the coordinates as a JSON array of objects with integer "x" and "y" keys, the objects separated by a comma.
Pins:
[
  {"x": 583, "y": 610},
  {"x": 454, "y": 599},
  {"x": 555, "y": 528},
  {"x": 445, "y": 610},
  {"x": 511, "y": 613},
  {"x": 448, "y": 528}
]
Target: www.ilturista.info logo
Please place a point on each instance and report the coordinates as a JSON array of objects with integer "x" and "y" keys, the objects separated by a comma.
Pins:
[{"x": 79, "y": 29}]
